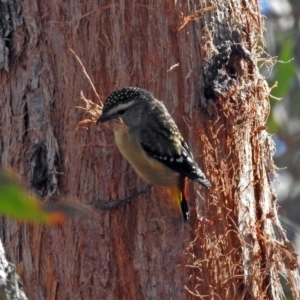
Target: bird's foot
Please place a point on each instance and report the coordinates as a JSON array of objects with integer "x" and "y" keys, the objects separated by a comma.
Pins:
[{"x": 108, "y": 204}]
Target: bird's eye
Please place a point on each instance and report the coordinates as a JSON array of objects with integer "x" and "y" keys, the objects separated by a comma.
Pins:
[{"x": 121, "y": 112}]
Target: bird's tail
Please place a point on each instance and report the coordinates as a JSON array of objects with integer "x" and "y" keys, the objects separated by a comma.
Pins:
[
  {"x": 179, "y": 194},
  {"x": 185, "y": 208}
]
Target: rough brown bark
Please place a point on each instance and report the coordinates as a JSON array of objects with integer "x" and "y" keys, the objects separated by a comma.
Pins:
[{"x": 206, "y": 73}]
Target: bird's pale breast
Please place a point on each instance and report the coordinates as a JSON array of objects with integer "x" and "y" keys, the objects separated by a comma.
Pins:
[{"x": 149, "y": 169}]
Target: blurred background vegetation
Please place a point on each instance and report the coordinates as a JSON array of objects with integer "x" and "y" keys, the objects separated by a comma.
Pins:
[{"x": 282, "y": 38}]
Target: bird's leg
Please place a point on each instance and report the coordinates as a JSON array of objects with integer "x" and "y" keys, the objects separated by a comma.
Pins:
[{"x": 104, "y": 204}]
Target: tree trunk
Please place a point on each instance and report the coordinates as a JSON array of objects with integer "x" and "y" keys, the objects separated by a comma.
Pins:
[{"x": 203, "y": 66}]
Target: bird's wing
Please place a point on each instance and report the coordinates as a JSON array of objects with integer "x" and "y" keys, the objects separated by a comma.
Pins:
[{"x": 165, "y": 143}]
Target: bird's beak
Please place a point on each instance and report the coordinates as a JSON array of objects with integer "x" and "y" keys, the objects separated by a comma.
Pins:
[{"x": 102, "y": 119}]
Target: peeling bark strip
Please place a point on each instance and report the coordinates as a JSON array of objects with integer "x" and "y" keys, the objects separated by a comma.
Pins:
[
  {"x": 10, "y": 19},
  {"x": 220, "y": 103},
  {"x": 11, "y": 288}
]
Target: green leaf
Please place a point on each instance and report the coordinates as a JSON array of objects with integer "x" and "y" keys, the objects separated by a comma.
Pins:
[
  {"x": 285, "y": 70},
  {"x": 15, "y": 202}
]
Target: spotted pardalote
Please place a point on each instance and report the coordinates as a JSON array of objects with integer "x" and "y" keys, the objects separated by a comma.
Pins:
[{"x": 149, "y": 139}]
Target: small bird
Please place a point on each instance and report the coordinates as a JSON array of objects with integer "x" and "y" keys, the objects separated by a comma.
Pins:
[{"x": 149, "y": 139}]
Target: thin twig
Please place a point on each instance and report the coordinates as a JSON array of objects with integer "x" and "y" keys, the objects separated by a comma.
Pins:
[
  {"x": 85, "y": 73},
  {"x": 194, "y": 16}
]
